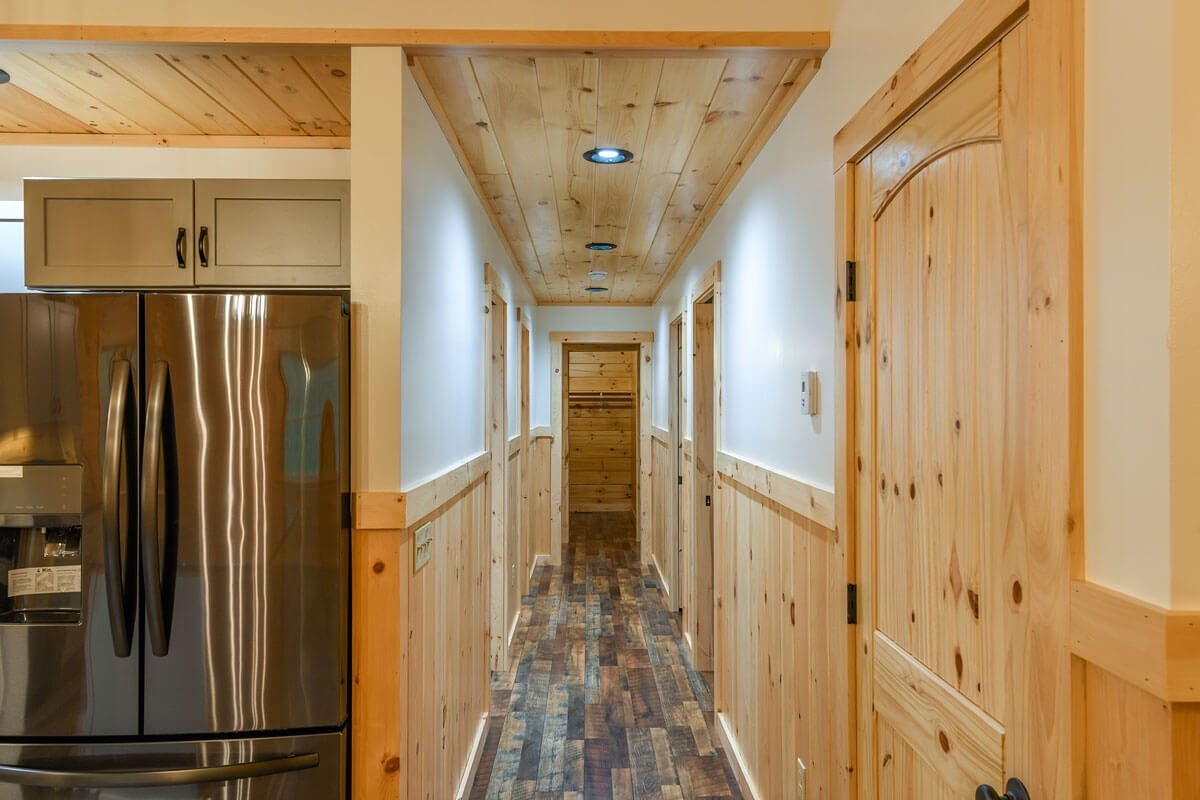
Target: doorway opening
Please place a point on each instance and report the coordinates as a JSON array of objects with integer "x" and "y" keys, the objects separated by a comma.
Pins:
[{"x": 600, "y": 393}]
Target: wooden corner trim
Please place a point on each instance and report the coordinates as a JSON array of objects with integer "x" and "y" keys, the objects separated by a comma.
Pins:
[
  {"x": 514, "y": 445},
  {"x": 541, "y": 432},
  {"x": 1151, "y": 647},
  {"x": 662, "y": 435},
  {"x": 601, "y": 337},
  {"x": 398, "y": 511},
  {"x": 810, "y": 502},
  {"x": 969, "y": 31},
  {"x": 377, "y": 511}
]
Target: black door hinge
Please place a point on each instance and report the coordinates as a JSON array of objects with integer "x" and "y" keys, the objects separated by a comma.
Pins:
[
  {"x": 851, "y": 281},
  {"x": 708, "y": 499},
  {"x": 680, "y": 480},
  {"x": 851, "y": 604}
]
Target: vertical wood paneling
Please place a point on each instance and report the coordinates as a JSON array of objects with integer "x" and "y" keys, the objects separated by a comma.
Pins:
[
  {"x": 540, "y": 496},
  {"x": 663, "y": 542},
  {"x": 447, "y": 647},
  {"x": 780, "y": 643},
  {"x": 513, "y": 567}
]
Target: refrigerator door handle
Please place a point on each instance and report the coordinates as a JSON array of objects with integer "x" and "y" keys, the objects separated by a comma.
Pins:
[
  {"x": 119, "y": 439},
  {"x": 71, "y": 779},
  {"x": 159, "y": 440}
]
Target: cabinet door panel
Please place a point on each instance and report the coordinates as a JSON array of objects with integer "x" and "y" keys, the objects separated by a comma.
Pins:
[
  {"x": 273, "y": 233},
  {"x": 108, "y": 233}
]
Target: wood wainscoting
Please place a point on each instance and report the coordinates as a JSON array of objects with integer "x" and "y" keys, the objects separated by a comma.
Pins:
[
  {"x": 420, "y": 643},
  {"x": 1137, "y": 704},
  {"x": 664, "y": 546},
  {"x": 782, "y": 661}
]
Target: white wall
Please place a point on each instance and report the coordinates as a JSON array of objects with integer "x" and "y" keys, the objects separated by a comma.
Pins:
[
  {"x": 447, "y": 239},
  {"x": 1127, "y": 174},
  {"x": 774, "y": 238},
  {"x": 563, "y": 319},
  {"x": 18, "y": 162}
]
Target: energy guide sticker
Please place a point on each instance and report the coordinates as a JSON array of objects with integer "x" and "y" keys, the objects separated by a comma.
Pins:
[{"x": 43, "y": 580}]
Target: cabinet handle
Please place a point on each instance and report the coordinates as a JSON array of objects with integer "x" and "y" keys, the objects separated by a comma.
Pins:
[
  {"x": 180, "y": 241},
  {"x": 202, "y": 245}
]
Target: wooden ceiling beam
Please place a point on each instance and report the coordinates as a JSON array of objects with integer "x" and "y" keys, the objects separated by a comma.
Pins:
[{"x": 427, "y": 41}]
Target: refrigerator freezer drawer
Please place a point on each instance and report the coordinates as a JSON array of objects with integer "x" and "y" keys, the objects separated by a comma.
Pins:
[{"x": 310, "y": 767}]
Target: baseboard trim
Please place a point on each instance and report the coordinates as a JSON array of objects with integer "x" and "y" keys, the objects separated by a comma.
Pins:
[
  {"x": 512, "y": 631},
  {"x": 468, "y": 776},
  {"x": 734, "y": 754},
  {"x": 538, "y": 560},
  {"x": 662, "y": 582}
]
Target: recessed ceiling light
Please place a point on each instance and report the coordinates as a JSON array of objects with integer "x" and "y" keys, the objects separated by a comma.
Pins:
[
  {"x": 3, "y": 76},
  {"x": 595, "y": 289},
  {"x": 600, "y": 246},
  {"x": 607, "y": 155},
  {"x": 597, "y": 274}
]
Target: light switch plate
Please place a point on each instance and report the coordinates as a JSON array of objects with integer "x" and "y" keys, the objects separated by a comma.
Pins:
[
  {"x": 422, "y": 546},
  {"x": 808, "y": 393},
  {"x": 800, "y": 770}
]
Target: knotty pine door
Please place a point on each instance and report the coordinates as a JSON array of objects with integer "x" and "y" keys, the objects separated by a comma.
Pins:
[{"x": 947, "y": 480}]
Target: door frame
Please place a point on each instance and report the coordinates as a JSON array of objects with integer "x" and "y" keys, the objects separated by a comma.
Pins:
[
  {"x": 677, "y": 410},
  {"x": 560, "y": 516},
  {"x": 703, "y": 650},
  {"x": 526, "y": 534},
  {"x": 1051, "y": 766},
  {"x": 495, "y": 412}
]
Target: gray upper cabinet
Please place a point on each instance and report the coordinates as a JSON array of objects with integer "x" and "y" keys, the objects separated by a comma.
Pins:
[
  {"x": 272, "y": 233},
  {"x": 147, "y": 234},
  {"x": 108, "y": 233}
]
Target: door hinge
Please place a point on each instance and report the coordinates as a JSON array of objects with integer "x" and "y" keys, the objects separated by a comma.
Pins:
[
  {"x": 851, "y": 281},
  {"x": 680, "y": 479},
  {"x": 851, "y": 603},
  {"x": 708, "y": 499}
]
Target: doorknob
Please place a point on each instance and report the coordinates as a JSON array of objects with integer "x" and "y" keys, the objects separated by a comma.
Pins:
[{"x": 1013, "y": 790}]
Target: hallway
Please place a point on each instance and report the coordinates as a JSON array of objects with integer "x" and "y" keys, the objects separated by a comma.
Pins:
[{"x": 599, "y": 701}]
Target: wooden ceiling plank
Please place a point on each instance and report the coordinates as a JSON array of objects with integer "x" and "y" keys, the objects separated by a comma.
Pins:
[
  {"x": 157, "y": 78},
  {"x": 230, "y": 87},
  {"x": 454, "y": 82},
  {"x": 331, "y": 72},
  {"x": 21, "y": 112},
  {"x": 286, "y": 83},
  {"x": 683, "y": 99},
  {"x": 499, "y": 195},
  {"x": 745, "y": 89},
  {"x": 200, "y": 140},
  {"x": 568, "y": 90},
  {"x": 509, "y": 87},
  {"x": 66, "y": 96},
  {"x": 511, "y": 239},
  {"x": 800, "y": 73},
  {"x": 627, "y": 91},
  {"x": 114, "y": 90}
]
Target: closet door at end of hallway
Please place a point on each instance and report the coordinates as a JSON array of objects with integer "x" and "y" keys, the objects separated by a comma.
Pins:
[{"x": 941, "y": 237}]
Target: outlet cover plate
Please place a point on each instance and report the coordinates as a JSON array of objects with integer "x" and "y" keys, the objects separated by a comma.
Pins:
[{"x": 422, "y": 546}]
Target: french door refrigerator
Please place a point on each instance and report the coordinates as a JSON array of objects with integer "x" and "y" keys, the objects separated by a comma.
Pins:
[{"x": 173, "y": 546}]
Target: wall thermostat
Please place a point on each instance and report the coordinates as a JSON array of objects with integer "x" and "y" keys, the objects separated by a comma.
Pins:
[{"x": 808, "y": 393}]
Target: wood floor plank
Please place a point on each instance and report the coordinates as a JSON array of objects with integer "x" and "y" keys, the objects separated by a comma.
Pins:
[{"x": 599, "y": 702}]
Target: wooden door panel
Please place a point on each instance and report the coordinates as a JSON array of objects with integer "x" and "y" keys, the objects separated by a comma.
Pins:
[{"x": 941, "y": 240}]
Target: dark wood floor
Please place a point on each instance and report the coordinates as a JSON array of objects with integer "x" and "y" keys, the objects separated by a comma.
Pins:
[{"x": 600, "y": 702}]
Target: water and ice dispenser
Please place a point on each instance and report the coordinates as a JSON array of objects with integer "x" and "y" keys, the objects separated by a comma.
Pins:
[{"x": 41, "y": 557}]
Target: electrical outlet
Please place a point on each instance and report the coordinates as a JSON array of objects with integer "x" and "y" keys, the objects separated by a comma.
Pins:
[
  {"x": 800, "y": 770},
  {"x": 422, "y": 546}
]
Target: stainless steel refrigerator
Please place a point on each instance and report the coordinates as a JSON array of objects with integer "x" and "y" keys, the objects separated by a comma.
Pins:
[{"x": 174, "y": 547}]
